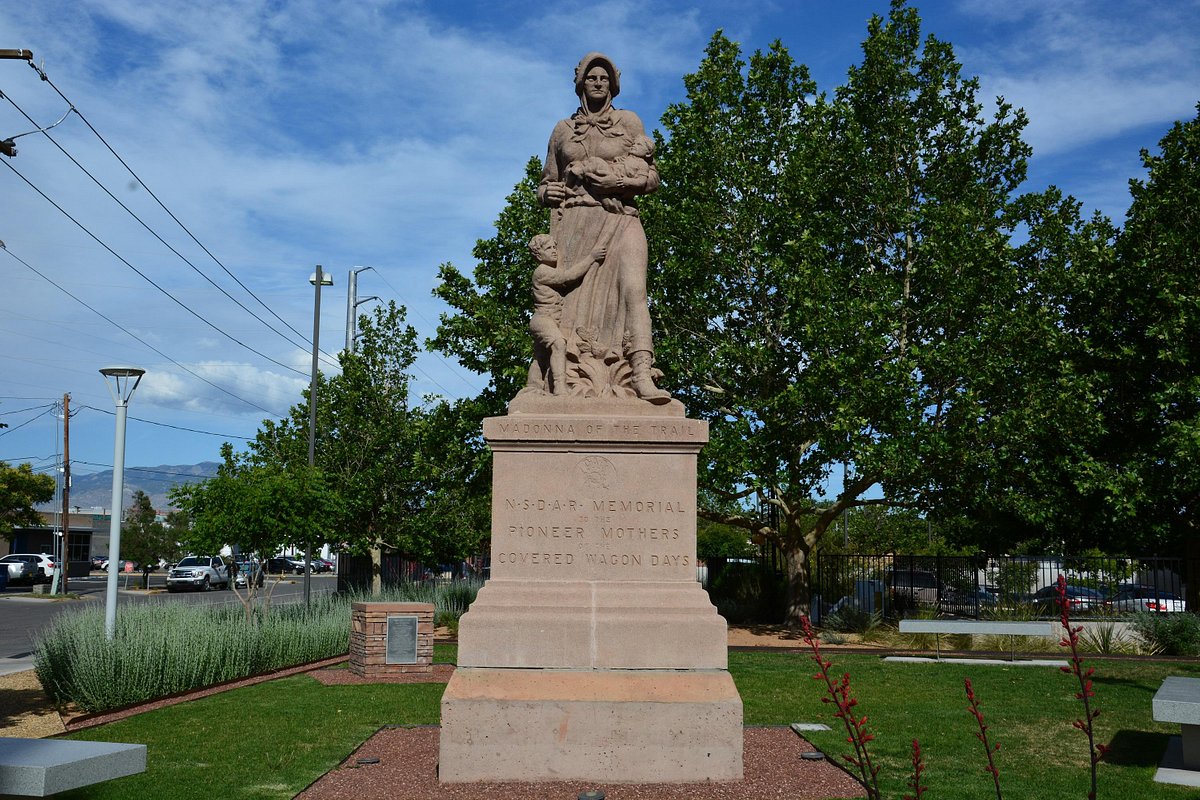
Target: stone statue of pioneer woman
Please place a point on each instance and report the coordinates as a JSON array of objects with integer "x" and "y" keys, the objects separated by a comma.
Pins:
[{"x": 597, "y": 163}]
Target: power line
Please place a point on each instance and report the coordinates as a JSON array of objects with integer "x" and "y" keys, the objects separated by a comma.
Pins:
[
  {"x": 7, "y": 431},
  {"x": 150, "y": 230},
  {"x": 166, "y": 425},
  {"x": 26, "y": 459},
  {"x": 23, "y": 410},
  {"x": 424, "y": 319},
  {"x": 137, "y": 338},
  {"x": 144, "y": 276},
  {"x": 46, "y": 78}
]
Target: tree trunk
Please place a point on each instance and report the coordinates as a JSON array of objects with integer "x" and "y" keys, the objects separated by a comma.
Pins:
[
  {"x": 376, "y": 571},
  {"x": 799, "y": 595},
  {"x": 1191, "y": 572}
]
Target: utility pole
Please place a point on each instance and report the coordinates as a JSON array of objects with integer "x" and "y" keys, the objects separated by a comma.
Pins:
[
  {"x": 352, "y": 304},
  {"x": 65, "y": 561},
  {"x": 318, "y": 279}
]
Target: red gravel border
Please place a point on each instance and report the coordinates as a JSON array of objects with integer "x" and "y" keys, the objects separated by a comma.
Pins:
[{"x": 408, "y": 759}]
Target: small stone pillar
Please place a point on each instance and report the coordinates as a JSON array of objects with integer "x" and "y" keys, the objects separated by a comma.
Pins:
[{"x": 382, "y": 639}]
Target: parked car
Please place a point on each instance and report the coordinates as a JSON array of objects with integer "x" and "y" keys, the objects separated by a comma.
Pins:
[
  {"x": 322, "y": 565},
  {"x": 1079, "y": 598},
  {"x": 913, "y": 587},
  {"x": 968, "y": 601},
  {"x": 284, "y": 564},
  {"x": 42, "y": 564},
  {"x": 99, "y": 562},
  {"x": 19, "y": 570},
  {"x": 1145, "y": 598},
  {"x": 126, "y": 565},
  {"x": 200, "y": 573},
  {"x": 247, "y": 570}
]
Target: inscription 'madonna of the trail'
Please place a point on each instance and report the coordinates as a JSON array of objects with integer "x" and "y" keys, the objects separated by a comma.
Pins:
[{"x": 549, "y": 429}]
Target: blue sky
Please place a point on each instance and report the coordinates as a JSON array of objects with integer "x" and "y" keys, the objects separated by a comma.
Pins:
[{"x": 387, "y": 134}]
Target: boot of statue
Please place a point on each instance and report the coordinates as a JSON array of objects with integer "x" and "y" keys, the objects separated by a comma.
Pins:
[{"x": 643, "y": 381}]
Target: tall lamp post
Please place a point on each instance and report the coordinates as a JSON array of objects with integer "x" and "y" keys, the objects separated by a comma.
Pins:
[
  {"x": 318, "y": 279},
  {"x": 352, "y": 304},
  {"x": 121, "y": 382}
]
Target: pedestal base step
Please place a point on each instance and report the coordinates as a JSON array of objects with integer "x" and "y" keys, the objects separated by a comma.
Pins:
[{"x": 615, "y": 726}]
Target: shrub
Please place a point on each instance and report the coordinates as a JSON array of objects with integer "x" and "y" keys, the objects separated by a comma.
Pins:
[
  {"x": 1169, "y": 634},
  {"x": 450, "y": 600},
  {"x": 852, "y": 619},
  {"x": 160, "y": 649},
  {"x": 1106, "y": 638}
]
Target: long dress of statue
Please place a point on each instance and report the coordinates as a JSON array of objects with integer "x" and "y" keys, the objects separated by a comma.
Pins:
[{"x": 597, "y": 163}]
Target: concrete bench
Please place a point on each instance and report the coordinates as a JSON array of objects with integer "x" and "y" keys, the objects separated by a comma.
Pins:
[
  {"x": 978, "y": 627},
  {"x": 1178, "y": 700},
  {"x": 43, "y": 767}
]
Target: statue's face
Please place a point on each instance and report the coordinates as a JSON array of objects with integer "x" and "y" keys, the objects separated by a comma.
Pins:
[
  {"x": 595, "y": 83},
  {"x": 550, "y": 253}
]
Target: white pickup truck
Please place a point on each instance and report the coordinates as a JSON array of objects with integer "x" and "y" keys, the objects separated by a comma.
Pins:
[{"x": 200, "y": 573}]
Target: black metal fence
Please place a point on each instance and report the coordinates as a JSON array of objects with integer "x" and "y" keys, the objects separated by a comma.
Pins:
[
  {"x": 979, "y": 586},
  {"x": 355, "y": 572}
]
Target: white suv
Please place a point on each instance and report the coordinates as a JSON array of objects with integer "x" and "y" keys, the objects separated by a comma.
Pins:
[
  {"x": 41, "y": 565},
  {"x": 200, "y": 573}
]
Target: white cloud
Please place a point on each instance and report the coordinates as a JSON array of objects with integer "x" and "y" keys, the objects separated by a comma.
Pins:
[
  {"x": 166, "y": 389},
  {"x": 1082, "y": 71}
]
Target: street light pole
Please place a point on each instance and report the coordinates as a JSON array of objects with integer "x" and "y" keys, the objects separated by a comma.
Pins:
[
  {"x": 318, "y": 280},
  {"x": 124, "y": 381},
  {"x": 352, "y": 304}
]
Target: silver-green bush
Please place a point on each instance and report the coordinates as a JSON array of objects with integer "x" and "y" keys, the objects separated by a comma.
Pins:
[
  {"x": 450, "y": 600},
  {"x": 160, "y": 649}
]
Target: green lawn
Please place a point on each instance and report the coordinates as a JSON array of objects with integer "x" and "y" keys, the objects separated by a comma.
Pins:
[
  {"x": 1029, "y": 711},
  {"x": 273, "y": 739}
]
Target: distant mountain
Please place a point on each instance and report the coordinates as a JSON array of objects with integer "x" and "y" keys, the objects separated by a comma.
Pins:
[{"x": 95, "y": 489}]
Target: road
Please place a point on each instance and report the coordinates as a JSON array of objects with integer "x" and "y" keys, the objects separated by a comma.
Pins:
[{"x": 23, "y": 617}]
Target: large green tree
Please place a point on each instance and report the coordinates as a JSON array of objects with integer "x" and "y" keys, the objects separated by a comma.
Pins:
[
  {"x": 20, "y": 490},
  {"x": 258, "y": 507},
  {"x": 1146, "y": 321},
  {"x": 1100, "y": 432},
  {"x": 836, "y": 279}
]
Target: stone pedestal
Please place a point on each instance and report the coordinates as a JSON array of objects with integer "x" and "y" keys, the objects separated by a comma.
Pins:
[
  {"x": 370, "y": 654},
  {"x": 592, "y": 653}
]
